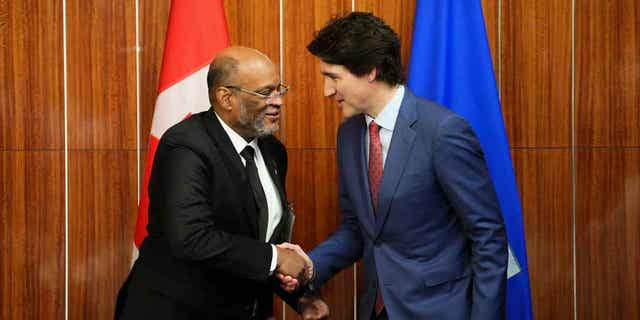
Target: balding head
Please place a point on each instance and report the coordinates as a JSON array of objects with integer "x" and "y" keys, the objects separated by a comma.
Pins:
[
  {"x": 235, "y": 63},
  {"x": 234, "y": 76}
]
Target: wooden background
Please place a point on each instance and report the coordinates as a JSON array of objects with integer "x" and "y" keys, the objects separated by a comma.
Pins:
[{"x": 70, "y": 147}]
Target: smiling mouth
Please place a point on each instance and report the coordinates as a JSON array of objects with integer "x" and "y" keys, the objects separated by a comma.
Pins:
[{"x": 273, "y": 114}]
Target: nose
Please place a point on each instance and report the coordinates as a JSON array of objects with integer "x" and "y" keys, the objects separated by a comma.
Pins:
[
  {"x": 275, "y": 100},
  {"x": 329, "y": 87}
]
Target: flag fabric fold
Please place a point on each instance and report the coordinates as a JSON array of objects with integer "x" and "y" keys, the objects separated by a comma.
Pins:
[
  {"x": 196, "y": 32},
  {"x": 451, "y": 64}
]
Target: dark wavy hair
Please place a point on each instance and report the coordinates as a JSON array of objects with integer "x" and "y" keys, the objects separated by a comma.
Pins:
[{"x": 360, "y": 41}]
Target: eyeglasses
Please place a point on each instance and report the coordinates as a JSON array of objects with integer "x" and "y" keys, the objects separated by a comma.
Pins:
[{"x": 280, "y": 91}]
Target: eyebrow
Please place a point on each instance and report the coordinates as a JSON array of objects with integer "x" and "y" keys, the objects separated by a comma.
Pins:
[
  {"x": 327, "y": 73},
  {"x": 267, "y": 87}
]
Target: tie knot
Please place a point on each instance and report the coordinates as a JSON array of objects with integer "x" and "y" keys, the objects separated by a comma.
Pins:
[
  {"x": 374, "y": 127},
  {"x": 247, "y": 153}
]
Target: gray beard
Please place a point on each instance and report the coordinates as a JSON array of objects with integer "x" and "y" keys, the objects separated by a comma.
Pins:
[{"x": 257, "y": 125}]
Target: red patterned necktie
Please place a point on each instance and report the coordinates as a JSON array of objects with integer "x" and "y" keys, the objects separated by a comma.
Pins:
[
  {"x": 375, "y": 162},
  {"x": 375, "y": 177}
]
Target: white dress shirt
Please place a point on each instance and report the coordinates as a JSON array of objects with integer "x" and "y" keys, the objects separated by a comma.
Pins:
[
  {"x": 386, "y": 119},
  {"x": 270, "y": 190}
]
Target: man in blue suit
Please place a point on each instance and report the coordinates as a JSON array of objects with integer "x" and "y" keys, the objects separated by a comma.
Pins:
[{"x": 417, "y": 202}]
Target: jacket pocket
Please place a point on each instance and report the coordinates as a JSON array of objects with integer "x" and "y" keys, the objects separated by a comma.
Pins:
[{"x": 446, "y": 273}]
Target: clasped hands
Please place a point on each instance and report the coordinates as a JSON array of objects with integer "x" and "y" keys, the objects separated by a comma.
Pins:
[{"x": 295, "y": 269}]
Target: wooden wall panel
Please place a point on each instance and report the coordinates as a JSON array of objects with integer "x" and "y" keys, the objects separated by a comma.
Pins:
[
  {"x": 313, "y": 190},
  {"x": 32, "y": 208},
  {"x": 607, "y": 40},
  {"x": 607, "y": 107},
  {"x": 536, "y": 72},
  {"x": 102, "y": 121},
  {"x": 544, "y": 178},
  {"x": 31, "y": 71},
  {"x": 398, "y": 15},
  {"x": 490, "y": 12},
  {"x": 310, "y": 120},
  {"x": 153, "y": 15},
  {"x": 256, "y": 24},
  {"x": 102, "y": 206},
  {"x": 32, "y": 235},
  {"x": 608, "y": 241},
  {"x": 101, "y": 51}
]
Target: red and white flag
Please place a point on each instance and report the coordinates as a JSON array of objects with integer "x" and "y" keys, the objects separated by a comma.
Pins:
[{"x": 196, "y": 32}]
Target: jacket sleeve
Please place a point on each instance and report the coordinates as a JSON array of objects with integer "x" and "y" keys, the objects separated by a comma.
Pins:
[
  {"x": 464, "y": 177},
  {"x": 292, "y": 299},
  {"x": 345, "y": 245},
  {"x": 182, "y": 185}
]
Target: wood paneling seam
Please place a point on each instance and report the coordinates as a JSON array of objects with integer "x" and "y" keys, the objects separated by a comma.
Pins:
[
  {"x": 137, "y": 101},
  {"x": 573, "y": 161},
  {"x": 283, "y": 137},
  {"x": 282, "y": 122},
  {"x": 134, "y": 250},
  {"x": 66, "y": 161}
]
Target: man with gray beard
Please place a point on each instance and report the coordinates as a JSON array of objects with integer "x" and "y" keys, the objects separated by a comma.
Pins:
[{"x": 218, "y": 207}]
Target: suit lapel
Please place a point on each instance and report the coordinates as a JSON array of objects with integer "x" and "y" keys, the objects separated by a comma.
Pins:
[
  {"x": 233, "y": 163},
  {"x": 359, "y": 159},
  {"x": 401, "y": 144},
  {"x": 272, "y": 167}
]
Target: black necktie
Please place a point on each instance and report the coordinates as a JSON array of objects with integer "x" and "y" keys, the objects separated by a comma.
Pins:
[{"x": 256, "y": 187}]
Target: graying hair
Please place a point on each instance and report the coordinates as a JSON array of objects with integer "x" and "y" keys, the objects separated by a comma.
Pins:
[{"x": 220, "y": 71}]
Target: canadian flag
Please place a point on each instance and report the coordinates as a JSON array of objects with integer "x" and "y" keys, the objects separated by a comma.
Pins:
[{"x": 196, "y": 32}]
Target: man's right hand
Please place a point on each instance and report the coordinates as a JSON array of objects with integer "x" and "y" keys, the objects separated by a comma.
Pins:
[
  {"x": 290, "y": 283},
  {"x": 290, "y": 263}
]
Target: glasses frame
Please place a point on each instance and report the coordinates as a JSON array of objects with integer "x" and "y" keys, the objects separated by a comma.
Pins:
[{"x": 280, "y": 91}]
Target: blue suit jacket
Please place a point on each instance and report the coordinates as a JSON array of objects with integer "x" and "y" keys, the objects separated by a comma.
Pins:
[{"x": 437, "y": 246}]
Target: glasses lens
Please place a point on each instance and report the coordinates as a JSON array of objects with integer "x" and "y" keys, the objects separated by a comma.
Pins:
[
  {"x": 278, "y": 92},
  {"x": 282, "y": 90}
]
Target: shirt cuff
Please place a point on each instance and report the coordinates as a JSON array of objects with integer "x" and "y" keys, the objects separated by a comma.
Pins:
[{"x": 274, "y": 259}]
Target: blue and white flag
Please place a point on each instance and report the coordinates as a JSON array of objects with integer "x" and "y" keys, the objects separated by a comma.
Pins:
[{"x": 451, "y": 64}]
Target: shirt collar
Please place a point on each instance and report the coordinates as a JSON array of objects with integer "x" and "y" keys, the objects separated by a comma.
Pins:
[
  {"x": 387, "y": 117},
  {"x": 239, "y": 143}
]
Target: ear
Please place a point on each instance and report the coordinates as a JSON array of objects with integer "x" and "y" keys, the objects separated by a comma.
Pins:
[
  {"x": 223, "y": 96},
  {"x": 371, "y": 76}
]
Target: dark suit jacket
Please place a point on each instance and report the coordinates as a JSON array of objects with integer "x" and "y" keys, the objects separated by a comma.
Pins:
[
  {"x": 437, "y": 246},
  {"x": 205, "y": 254}
]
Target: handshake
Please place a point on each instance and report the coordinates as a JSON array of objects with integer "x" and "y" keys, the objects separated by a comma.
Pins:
[
  {"x": 294, "y": 267},
  {"x": 294, "y": 270}
]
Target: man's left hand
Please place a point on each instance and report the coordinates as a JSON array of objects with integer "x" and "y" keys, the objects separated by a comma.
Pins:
[{"x": 313, "y": 308}]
